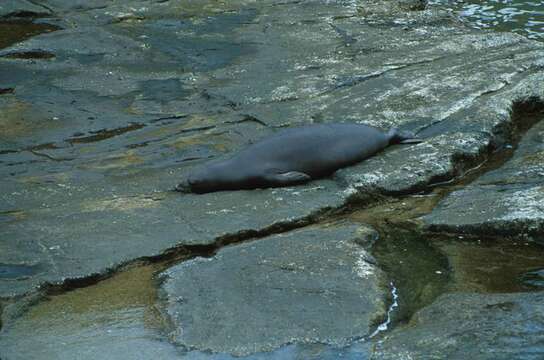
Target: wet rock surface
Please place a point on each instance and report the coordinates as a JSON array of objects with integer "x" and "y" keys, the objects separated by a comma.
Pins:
[
  {"x": 106, "y": 114},
  {"x": 471, "y": 326},
  {"x": 316, "y": 285},
  {"x": 23, "y": 8},
  {"x": 115, "y": 318},
  {"x": 105, "y": 105},
  {"x": 505, "y": 201}
]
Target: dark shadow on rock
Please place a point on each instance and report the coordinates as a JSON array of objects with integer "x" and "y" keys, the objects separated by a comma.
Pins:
[{"x": 29, "y": 55}]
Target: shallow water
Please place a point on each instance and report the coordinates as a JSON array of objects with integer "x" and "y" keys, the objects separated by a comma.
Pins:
[
  {"x": 117, "y": 318},
  {"x": 521, "y": 17}
]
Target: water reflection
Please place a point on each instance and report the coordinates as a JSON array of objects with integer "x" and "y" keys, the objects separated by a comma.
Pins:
[{"x": 522, "y": 17}]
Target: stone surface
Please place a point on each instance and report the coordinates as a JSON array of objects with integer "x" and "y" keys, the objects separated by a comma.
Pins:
[
  {"x": 102, "y": 117},
  {"x": 471, "y": 326},
  {"x": 25, "y": 8},
  {"x": 505, "y": 201},
  {"x": 316, "y": 285}
]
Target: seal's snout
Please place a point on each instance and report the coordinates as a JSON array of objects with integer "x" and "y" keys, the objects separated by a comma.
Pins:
[{"x": 184, "y": 186}]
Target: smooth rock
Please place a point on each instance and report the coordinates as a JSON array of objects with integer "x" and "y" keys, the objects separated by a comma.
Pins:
[
  {"x": 471, "y": 326},
  {"x": 10, "y": 8},
  {"x": 316, "y": 285}
]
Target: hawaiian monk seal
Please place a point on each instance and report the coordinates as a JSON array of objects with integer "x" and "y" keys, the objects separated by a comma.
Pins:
[{"x": 293, "y": 156}]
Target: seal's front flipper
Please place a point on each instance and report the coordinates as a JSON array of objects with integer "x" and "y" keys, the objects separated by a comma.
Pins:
[{"x": 288, "y": 178}]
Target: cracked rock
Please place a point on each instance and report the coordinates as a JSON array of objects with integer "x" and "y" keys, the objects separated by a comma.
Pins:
[
  {"x": 505, "y": 201},
  {"x": 126, "y": 97}
]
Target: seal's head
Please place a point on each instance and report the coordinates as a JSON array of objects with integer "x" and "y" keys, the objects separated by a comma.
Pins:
[
  {"x": 194, "y": 183},
  {"x": 397, "y": 136},
  {"x": 206, "y": 179},
  {"x": 184, "y": 186}
]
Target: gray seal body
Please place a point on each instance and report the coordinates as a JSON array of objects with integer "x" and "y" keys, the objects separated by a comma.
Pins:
[{"x": 293, "y": 156}]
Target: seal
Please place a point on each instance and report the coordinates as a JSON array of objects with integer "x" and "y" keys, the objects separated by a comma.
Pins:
[{"x": 293, "y": 156}]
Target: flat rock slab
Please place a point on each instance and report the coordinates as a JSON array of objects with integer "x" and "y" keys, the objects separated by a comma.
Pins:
[
  {"x": 101, "y": 118},
  {"x": 505, "y": 201},
  {"x": 316, "y": 285},
  {"x": 471, "y": 326}
]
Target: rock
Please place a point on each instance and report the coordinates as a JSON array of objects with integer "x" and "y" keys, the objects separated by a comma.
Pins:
[
  {"x": 116, "y": 318},
  {"x": 534, "y": 278},
  {"x": 505, "y": 201},
  {"x": 471, "y": 326},
  {"x": 22, "y": 8},
  {"x": 104, "y": 116},
  {"x": 316, "y": 285}
]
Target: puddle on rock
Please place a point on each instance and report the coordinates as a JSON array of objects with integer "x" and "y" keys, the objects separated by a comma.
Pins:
[
  {"x": 490, "y": 265},
  {"x": 116, "y": 318},
  {"x": 417, "y": 269},
  {"x": 423, "y": 266},
  {"x": 12, "y": 32}
]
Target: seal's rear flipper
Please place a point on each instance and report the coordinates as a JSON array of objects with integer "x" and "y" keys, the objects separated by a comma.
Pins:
[
  {"x": 287, "y": 178},
  {"x": 397, "y": 136}
]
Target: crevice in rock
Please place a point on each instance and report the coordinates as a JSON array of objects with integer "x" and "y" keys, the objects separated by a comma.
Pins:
[
  {"x": 26, "y": 15},
  {"x": 44, "y": 155},
  {"x": 172, "y": 256},
  {"x": 248, "y": 118},
  {"x": 173, "y": 117},
  {"x": 29, "y": 55},
  {"x": 524, "y": 114},
  {"x": 357, "y": 79},
  {"x": 504, "y": 140},
  {"x": 104, "y": 134},
  {"x": 4, "y": 91},
  {"x": 347, "y": 39}
]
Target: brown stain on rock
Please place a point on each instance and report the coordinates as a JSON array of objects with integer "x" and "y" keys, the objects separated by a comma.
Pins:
[
  {"x": 114, "y": 161},
  {"x": 12, "y": 122},
  {"x": 121, "y": 204},
  {"x": 12, "y": 32}
]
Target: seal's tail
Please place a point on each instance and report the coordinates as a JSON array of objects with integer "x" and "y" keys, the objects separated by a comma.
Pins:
[{"x": 403, "y": 137}]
